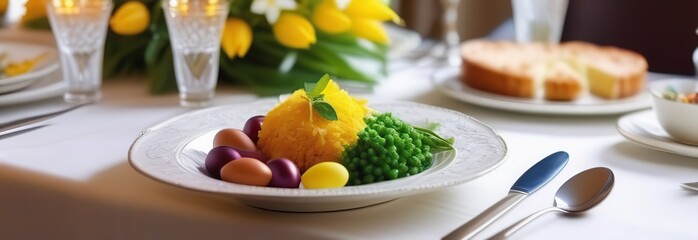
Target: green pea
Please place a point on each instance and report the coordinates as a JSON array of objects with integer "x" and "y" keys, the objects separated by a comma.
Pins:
[{"x": 393, "y": 173}]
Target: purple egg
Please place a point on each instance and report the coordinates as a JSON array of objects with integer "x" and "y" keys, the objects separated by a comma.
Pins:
[
  {"x": 253, "y": 126},
  {"x": 284, "y": 173},
  {"x": 218, "y": 157},
  {"x": 252, "y": 154}
]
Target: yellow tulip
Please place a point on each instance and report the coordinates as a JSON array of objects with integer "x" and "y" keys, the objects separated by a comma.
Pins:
[
  {"x": 236, "y": 38},
  {"x": 328, "y": 18},
  {"x": 369, "y": 29},
  {"x": 373, "y": 9},
  {"x": 294, "y": 31},
  {"x": 131, "y": 18},
  {"x": 34, "y": 9}
]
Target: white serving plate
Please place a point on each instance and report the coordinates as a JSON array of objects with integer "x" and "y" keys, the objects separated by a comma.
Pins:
[
  {"x": 173, "y": 152},
  {"x": 15, "y": 52},
  {"x": 447, "y": 80}
]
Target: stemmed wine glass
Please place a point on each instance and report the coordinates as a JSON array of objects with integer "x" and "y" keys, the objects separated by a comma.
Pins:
[
  {"x": 445, "y": 52},
  {"x": 450, "y": 40}
]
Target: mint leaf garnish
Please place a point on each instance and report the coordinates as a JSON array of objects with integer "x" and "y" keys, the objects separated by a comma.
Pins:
[
  {"x": 319, "y": 86},
  {"x": 325, "y": 110},
  {"x": 316, "y": 98},
  {"x": 309, "y": 88}
]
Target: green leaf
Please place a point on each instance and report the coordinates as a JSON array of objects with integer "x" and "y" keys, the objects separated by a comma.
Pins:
[
  {"x": 325, "y": 110},
  {"x": 124, "y": 53},
  {"x": 432, "y": 126},
  {"x": 319, "y": 86},
  {"x": 161, "y": 74},
  {"x": 438, "y": 143},
  {"x": 344, "y": 56},
  {"x": 309, "y": 87},
  {"x": 38, "y": 23},
  {"x": 341, "y": 56}
]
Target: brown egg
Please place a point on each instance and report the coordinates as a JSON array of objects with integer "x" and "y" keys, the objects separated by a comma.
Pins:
[
  {"x": 248, "y": 171},
  {"x": 233, "y": 138}
]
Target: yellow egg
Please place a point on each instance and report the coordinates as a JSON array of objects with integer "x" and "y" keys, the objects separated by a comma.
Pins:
[{"x": 325, "y": 175}]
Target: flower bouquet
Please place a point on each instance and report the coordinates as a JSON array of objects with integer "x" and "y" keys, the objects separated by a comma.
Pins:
[{"x": 269, "y": 45}]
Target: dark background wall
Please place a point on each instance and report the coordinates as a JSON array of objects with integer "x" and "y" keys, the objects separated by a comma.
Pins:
[
  {"x": 664, "y": 31},
  {"x": 661, "y": 30}
]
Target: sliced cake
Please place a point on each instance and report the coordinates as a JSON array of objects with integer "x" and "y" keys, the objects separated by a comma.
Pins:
[{"x": 554, "y": 72}]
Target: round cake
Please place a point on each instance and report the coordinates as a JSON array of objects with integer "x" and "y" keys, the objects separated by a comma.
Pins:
[{"x": 560, "y": 72}]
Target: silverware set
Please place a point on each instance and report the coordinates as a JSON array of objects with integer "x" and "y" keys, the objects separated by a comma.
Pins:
[
  {"x": 531, "y": 180},
  {"x": 577, "y": 195}
]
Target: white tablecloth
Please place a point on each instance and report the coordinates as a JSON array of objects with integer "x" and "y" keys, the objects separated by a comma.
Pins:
[{"x": 71, "y": 180}]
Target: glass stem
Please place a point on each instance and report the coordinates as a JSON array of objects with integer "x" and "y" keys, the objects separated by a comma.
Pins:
[{"x": 450, "y": 31}]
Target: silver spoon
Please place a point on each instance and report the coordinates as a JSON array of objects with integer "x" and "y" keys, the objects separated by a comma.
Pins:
[
  {"x": 690, "y": 186},
  {"x": 580, "y": 193}
]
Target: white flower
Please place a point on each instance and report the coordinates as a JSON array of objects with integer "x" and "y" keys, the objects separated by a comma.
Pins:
[
  {"x": 342, "y": 4},
  {"x": 272, "y": 8}
]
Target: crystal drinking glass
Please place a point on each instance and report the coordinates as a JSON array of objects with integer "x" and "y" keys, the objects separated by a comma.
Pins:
[
  {"x": 195, "y": 28},
  {"x": 80, "y": 28},
  {"x": 539, "y": 20}
]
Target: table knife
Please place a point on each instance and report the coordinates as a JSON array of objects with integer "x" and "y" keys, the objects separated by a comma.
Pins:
[
  {"x": 10, "y": 127},
  {"x": 531, "y": 180}
]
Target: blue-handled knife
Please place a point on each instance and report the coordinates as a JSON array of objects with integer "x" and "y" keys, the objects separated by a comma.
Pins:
[{"x": 531, "y": 180}]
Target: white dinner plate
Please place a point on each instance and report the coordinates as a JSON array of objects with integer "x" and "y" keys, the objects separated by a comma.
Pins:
[
  {"x": 17, "y": 52},
  {"x": 173, "y": 152},
  {"x": 644, "y": 129},
  {"x": 447, "y": 80}
]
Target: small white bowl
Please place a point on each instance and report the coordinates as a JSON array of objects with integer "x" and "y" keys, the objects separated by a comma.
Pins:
[{"x": 679, "y": 120}]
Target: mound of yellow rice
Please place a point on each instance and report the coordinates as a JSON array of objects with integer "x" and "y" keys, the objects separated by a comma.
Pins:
[{"x": 294, "y": 130}]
